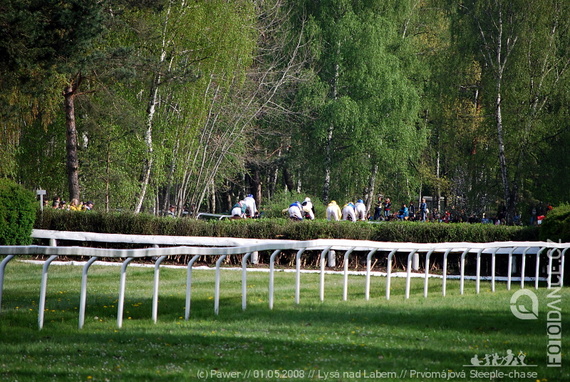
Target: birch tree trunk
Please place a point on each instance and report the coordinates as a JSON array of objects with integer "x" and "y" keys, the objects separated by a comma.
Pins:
[
  {"x": 233, "y": 108},
  {"x": 150, "y": 112},
  {"x": 72, "y": 161},
  {"x": 497, "y": 47},
  {"x": 329, "y": 142},
  {"x": 369, "y": 194},
  {"x": 149, "y": 160},
  {"x": 328, "y": 165}
]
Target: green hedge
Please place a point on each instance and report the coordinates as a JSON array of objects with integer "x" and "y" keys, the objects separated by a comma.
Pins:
[
  {"x": 279, "y": 228},
  {"x": 556, "y": 225},
  {"x": 17, "y": 213}
]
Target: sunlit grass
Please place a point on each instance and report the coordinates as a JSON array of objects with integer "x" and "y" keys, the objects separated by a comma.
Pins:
[{"x": 315, "y": 339}]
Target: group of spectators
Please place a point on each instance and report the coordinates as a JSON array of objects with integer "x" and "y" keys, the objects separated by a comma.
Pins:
[{"x": 75, "y": 205}]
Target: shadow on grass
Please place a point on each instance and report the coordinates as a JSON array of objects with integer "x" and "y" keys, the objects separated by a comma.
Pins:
[
  {"x": 432, "y": 334},
  {"x": 315, "y": 337}
]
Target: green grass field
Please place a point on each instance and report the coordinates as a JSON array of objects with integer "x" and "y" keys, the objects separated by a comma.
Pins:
[{"x": 419, "y": 339}]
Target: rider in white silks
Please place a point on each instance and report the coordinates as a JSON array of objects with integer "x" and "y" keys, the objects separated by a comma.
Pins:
[
  {"x": 333, "y": 211},
  {"x": 348, "y": 212},
  {"x": 251, "y": 208},
  {"x": 238, "y": 210},
  {"x": 360, "y": 210},
  {"x": 295, "y": 211},
  {"x": 308, "y": 209}
]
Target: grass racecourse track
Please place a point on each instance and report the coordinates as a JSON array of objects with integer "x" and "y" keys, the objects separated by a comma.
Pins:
[{"x": 419, "y": 339}]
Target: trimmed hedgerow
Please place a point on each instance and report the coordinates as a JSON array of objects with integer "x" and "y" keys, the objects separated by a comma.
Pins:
[
  {"x": 17, "y": 213},
  {"x": 279, "y": 228},
  {"x": 455, "y": 232}
]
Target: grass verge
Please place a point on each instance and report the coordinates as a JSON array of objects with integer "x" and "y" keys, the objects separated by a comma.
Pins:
[{"x": 417, "y": 339}]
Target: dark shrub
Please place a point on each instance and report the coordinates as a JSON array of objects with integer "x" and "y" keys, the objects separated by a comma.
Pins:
[
  {"x": 17, "y": 213},
  {"x": 556, "y": 225}
]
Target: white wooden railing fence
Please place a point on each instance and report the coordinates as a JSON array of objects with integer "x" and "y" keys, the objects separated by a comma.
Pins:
[{"x": 548, "y": 254}]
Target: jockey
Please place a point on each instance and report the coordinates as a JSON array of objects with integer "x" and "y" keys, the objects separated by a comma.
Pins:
[
  {"x": 360, "y": 209},
  {"x": 295, "y": 211},
  {"x": 348, "y": 212},
  {"x": 308, "y": 209},
  {"x": 238, "y": 210},
  {"x": 251, "y": 208},
  {"x": 333, "y": 211}
]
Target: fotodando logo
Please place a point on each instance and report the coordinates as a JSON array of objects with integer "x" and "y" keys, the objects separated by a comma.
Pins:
[{"x": 525, "y": 305}]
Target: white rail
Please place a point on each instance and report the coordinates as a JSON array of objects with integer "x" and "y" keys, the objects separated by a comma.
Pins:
[{"x": 223, "y": 247}]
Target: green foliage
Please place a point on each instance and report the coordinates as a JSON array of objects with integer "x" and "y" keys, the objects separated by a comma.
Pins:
[
  {"x": 385, "y": 77},
  {"x": 361, "y": 101},
  {"x": 556, "y": 225},
  {"x": 17, "y": 213},
  {"x": 273, "y": 208}
]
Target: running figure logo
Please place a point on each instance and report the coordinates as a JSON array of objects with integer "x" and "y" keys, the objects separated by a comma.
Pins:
[{"x": 496, "y": 360}]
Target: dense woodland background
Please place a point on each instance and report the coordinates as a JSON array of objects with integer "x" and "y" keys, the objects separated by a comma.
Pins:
[{"x": 140, "y": 104}]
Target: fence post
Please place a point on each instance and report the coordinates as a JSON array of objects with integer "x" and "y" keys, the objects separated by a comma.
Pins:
[
  {"x": 244, "y": 280},
  {"x": 562, "y": 266},
  {"x": 409, "y": 272},
  {"x": 493, "y": 267},
  {"x": 523, "y": 266},
  {"x": 43, "y": 291},
  {"x": 83, "y": 293},
  {"x": 322, "y": 285},
  {"x": 510, "y": 268},
  {"x": 2, "y": 267},
  {"x": 389, "y": 273},
  {"x": 426, "y": 275},
  {"x": 537, "y": 270},
  {"x": 189, "y": 286},
  {"x": 298, "y": 275},
  {"x": 122, "y": 285},
  {"x": 217, "y": 285},
  {"x": 272, "y": 276},
  {"x": 478, "y": 272},
  {"x": 345, "y": 261},
  {"x": 462, "y": 281},
  {"x": 368, "y": 269},
  {"x": 155, "y": 289},
  {"x": 416, "y": 261},
  {"x": 331, "y": 259},
  {"x": 444, "y": 282}
]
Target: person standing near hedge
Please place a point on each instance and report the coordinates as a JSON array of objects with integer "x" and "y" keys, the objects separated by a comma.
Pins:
[
  {"x": 75, "y": 205},
  {"x": 387, "y": 208},
  {"x": 404, "y": 213},
  {"x": 423, "y": 210},
  {"x": 412, "y": 211},
  {"x": 378, "y": 209}
]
